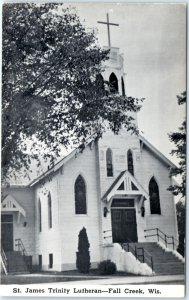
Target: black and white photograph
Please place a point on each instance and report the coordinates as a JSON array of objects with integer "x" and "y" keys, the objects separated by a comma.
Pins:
[{"x": 93, "y": 149}]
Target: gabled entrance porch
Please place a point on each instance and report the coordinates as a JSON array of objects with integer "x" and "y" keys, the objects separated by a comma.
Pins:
[{"x": 124, "y": 210}]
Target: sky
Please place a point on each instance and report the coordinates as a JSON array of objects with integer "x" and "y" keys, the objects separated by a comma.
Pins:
[{"x": 152, "y": 38}]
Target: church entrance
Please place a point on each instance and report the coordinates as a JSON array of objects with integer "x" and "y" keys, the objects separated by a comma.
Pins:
[
  {"x": 7, "y": 232},
  {"x": 124, "y": 227}
]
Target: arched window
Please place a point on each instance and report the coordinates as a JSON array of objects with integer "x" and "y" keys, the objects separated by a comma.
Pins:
[
  {"x": 49, "y": 210},
  {"x": 109, "y": 165},
  {"x": 130, "y": 162},
  {"x": 122, "y": 86},
  {"x": 39, "y": 210},
  {"x": 80, "y": 196},
  {"x": 113, "y": 83},
  {"x": 154, "y": 197}
]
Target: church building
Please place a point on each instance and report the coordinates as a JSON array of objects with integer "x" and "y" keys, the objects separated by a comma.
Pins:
[{"x": 116, "y": 188}]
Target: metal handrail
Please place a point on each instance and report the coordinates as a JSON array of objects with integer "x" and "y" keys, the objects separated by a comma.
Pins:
[
  {"x": 144, "y": 254},
  {"x": 20, "y": 246},
  {"x": 4, "y": 260},
  {"x": 164, "y": 238}
]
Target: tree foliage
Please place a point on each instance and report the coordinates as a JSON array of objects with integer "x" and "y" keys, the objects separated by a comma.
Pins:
[
  {"x": 50, "y": 91},
  {"x": 181, "y": 219},
  {"x": 83, "y": 257},
  {"x": 179, "y": 139}
]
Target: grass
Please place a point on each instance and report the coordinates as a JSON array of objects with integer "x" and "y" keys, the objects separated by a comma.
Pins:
[{"x": 49, "y": 277}]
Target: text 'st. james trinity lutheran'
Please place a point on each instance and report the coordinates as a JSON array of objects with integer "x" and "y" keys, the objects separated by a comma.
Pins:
[{"x": 116, "y": 188}]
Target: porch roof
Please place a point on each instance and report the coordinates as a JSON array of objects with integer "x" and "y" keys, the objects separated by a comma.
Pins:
[
  {"x": 9, "y": 204},
  {"x": 130, "y": 186}
]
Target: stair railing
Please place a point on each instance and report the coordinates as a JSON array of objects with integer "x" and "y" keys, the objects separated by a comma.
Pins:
[
  {"x": 20, "y": 247},
  {"x": 4, "y": 261},
  {"x": 140, "y": 253},
  {"x": 168, "y": 240}
]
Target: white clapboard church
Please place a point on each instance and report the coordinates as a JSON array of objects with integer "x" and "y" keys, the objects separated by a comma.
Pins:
[{"x": 116, "y": 188}]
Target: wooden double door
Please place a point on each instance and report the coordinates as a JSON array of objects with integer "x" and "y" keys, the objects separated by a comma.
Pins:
[{"x": 124, "y": 227}]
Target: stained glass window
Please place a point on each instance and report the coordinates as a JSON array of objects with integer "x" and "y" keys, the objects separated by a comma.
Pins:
[
  {"x": 130, "y": 162},
  {"x": 154, "y": 197},
  {"x": 80, "y": 196},
  {"x": 109, "y": 165}
]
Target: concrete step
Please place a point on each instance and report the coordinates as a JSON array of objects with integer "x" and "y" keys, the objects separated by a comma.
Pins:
[
  {"x": 16, "y": 263},
  {"x": 165, "y": 263}
]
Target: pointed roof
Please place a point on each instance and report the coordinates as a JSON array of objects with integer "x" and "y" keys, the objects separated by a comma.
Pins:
[
  {"x": 9, "y": 204},
  {"x": 78, "y": 150},
  {"x": 125, "y": 184},
  {"x": 162, "y": 157}
]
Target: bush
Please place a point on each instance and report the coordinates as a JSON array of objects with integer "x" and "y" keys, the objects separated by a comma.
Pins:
[
  {"x": 83, "y": 256},
  {"x": 107, "y": 267}
]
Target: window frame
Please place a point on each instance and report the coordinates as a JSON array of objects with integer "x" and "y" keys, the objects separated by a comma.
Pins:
[
  {"x": 128, "y": 153},
  {"x": 152, "y": 210},
  {"x": 112, "y": 164},
  {"x": 49, "y": 210},
  {"x": 40, "y": 215},
  {"x": 86, "y": 206}
]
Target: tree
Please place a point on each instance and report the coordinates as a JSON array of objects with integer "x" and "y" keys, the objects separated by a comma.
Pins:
[
  {"x": 83, "y": 256},
  {"x": 179, "y": 139},
  {"x": 181, "y": 219},
  {"x": 50, "y": 88}
]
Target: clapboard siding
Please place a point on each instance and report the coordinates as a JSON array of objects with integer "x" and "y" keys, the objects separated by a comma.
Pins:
[
  {"x": 150, "y": 166},
  {"x": 70, "y": 223}
]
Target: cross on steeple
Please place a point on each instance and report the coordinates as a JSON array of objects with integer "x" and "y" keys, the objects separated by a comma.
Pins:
[{"x": 108, "y": 27}]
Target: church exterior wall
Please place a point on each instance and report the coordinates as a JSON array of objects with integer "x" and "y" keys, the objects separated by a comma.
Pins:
[
  {"x": 70, "y": 223},
  {"x": 48, "y": 240},
  {"x": 119, "y": 145},
  {"x": 151, "y": 166}
]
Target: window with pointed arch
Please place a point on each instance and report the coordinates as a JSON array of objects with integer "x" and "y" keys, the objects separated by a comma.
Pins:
[
  {"x": 113, "y": 83},
  {"x": 154, "y": 197},
  {"x": 40, "y": 219},
  {"x": 130, "y": 162},
  {"x": 122, "y": 86},
  {"x": 109, "y": 163},
  {"x": 49, "y": 210},
  {"x": 80, "y": 196}
]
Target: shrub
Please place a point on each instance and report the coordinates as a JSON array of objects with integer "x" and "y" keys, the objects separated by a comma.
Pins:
[
  {"x": 107, "y": 267},
  {"x": 83, "y": 256}
]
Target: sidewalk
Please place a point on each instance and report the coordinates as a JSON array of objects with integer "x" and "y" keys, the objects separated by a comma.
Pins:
[
  {"x": 132, "y": 280},
  {"x": 46, "y": 279}
]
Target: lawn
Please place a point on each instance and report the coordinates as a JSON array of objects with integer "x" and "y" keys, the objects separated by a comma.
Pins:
[{"x": 50, "y": 277}]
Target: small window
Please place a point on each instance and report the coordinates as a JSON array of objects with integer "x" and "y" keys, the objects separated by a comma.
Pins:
[
  {"x": 122, "y": 86},
  {"x": 154, "y": 197},
  {"x": 49, "y": 210},
  {"x": 50, "y": 261},
  {"x": 130, "y": 162},
  {"x": 39, "y": 211},
  {"x": 80, "y": 196},
  {"x": 40, "y": 262},
  {"x": 109, "y": 165}
]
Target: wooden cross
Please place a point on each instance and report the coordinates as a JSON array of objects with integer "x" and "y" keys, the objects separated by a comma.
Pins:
[{"x": 108, "y": 27}]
